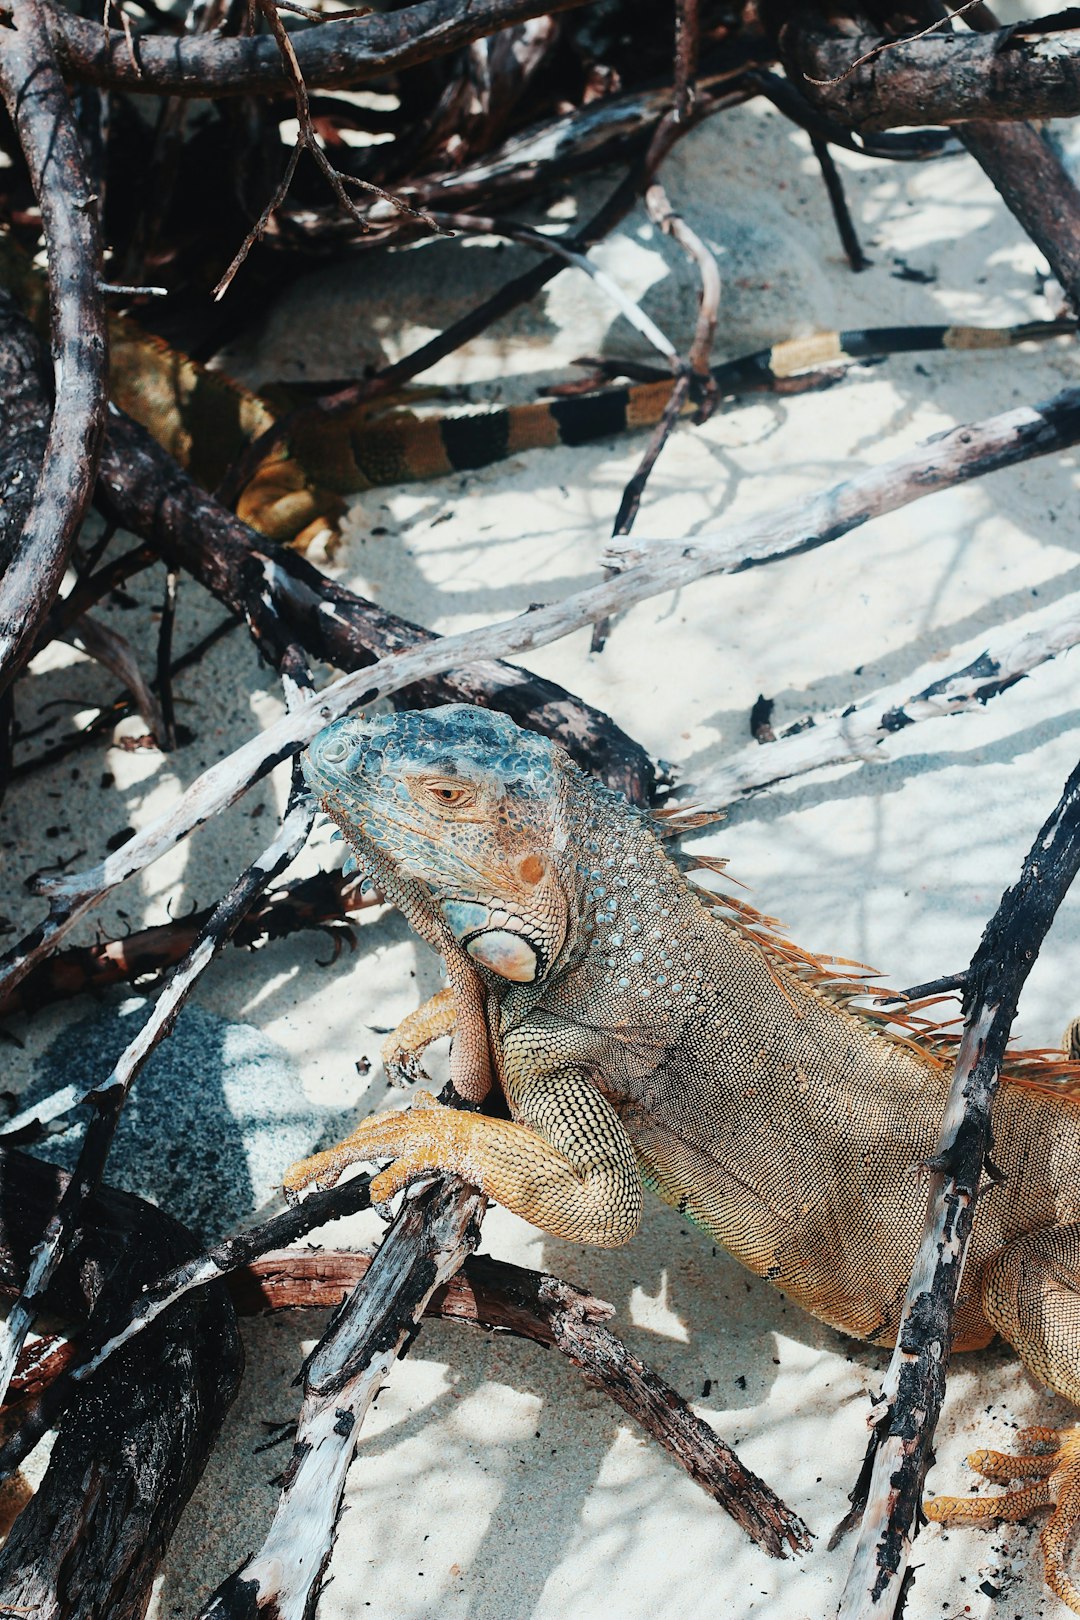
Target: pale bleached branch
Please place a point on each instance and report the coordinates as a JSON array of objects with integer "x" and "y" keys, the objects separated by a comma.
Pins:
[{"x": 857, "y": 732}]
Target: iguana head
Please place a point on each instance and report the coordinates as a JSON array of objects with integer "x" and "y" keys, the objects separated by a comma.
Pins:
[{"x": 459, "y": 816}]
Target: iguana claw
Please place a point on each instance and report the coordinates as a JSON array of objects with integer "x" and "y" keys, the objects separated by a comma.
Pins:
[{"x": 1050, "y": 1459}]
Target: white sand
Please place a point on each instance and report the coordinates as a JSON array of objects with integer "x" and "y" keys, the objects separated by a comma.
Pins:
[{"x": 491, "y": 1482}]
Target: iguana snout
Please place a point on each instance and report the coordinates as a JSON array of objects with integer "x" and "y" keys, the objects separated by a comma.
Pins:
[{"x": 456, "y": 813}]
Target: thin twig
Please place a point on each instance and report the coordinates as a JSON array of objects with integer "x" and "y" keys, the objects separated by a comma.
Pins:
[
  {"x": 307, "y": 141},
  {"x": 857, "y": 731},
  {"x": 834, "y": 187},
  {"x": 511, "y": 231},
  {"x": 164, "y": 660},
  {"x": 695, "y": 367}
]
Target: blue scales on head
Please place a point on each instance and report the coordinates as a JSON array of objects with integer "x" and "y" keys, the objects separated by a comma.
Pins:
[{"x": 456, "y": 812}]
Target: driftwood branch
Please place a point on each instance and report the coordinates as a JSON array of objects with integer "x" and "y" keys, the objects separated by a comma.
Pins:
[
  {"x": 857, "y": 731},
  {"x": 496, "y": 1295},
  {"x": 914, "y": 1386},
  {"x": 422, "y": 1249},
  {"x": 38, "y": 105},
  {"x": 1014, "y": 73},
  {"x": 958, "y": 456},
  {"x": 133, "y": 1446},
  {"x": 329, "y": 54}
]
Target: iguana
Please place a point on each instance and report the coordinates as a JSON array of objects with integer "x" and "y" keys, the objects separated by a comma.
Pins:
[{"x": 643, "y": 1035}]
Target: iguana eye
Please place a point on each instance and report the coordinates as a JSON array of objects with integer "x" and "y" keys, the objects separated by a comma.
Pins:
[{"x": 450, "y": 794}]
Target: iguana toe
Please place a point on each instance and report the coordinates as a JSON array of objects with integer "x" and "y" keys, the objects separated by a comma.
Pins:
[
  {"x": 1053, "y": 1466},
  {"x": 382, "y": 1137}
]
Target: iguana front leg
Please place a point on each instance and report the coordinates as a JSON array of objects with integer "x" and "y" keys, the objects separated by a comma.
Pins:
[
  {"x": 564, "y": 1163},
  {"x": 405, "y": 1046},
  {"x": 1031, "y": 1295}
]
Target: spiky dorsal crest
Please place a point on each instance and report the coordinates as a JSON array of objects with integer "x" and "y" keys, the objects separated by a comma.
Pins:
[{"x": 1054, "y": 1072}]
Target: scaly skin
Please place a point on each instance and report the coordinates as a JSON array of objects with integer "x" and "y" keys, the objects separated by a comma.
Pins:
[{"x": 642, "y": 1039}]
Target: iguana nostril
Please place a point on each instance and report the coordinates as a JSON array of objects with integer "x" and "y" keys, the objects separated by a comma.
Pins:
[{"x": 334, "y": 750}]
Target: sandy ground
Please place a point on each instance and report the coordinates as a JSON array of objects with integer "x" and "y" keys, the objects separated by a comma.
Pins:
[{"x": 490, "y": 1481}]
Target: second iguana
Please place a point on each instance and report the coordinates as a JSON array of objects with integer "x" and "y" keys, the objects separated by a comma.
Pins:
[{"x": 645, "y": 1037}]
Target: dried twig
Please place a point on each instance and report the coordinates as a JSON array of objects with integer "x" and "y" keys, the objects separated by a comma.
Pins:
[
  {"x": 834, "y": 187},
  {"x": 307, "y": 141},
  {"x": 164, "y": 677},
  {"x": 511, "y": 231},
  {"x": 37, "y": 103},
  {"x": 115, "y": 653},
  {"x": 965, "y": 453},
  {"x": 695, "y": 368},
  {"x": 906, "y": 1411}
]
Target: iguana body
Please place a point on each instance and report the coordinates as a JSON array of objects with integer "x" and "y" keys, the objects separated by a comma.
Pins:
[{"x": 643, "y": 1038}]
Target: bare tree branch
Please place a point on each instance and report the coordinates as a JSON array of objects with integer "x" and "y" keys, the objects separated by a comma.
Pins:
[
  {"x": 495, "y": 1294},
  {"x": 1015, "y": 73},
  {"x": 38, "y": 105},
  {"x": 329, "y": 53}
]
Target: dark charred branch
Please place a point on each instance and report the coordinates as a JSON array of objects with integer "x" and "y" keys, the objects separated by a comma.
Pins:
[
  {"x": 495, "y": 1295},
  {"x": 330, "y": 54},
  {"x": 423, "y": 1248},
  {"x": 325, "y": 901},
  {"x": 39, "y": 108},
  {"x": 1014, "y": 73},
  {"x": 133, "y": 1445},
  {"x": 108, "y": 1335},
  {"x": 283, "y": 596},
  {"x": 907, "y": 1409},
  {"x": 24, "y": 422},
  {"x": 1037, "y": 189}
]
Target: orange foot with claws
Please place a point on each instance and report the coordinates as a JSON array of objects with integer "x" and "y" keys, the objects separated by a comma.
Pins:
[
  {"x": 1050, "y": 1459},
  {"x": 425, "y": 1137}
]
